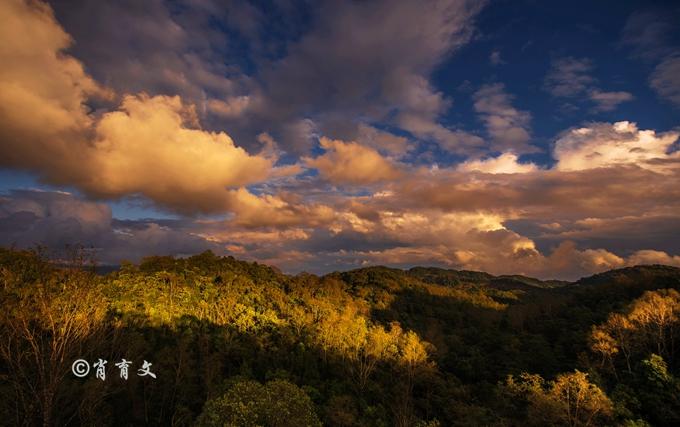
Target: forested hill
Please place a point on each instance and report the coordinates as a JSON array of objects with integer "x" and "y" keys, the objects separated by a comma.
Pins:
[
  {"x": 641, "y": 274},
  {"x": 239, "y": 343}
]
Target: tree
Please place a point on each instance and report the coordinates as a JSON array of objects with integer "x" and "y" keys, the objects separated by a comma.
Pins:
[
  {"x": 45, "y": 327},
  {"x": 412, "y": 359},
  {"x": 582, "y": 403},
  {"x": 571, "y": 400},
  {"x": 603, "y": 343},
  {"x": 248, "y": 403},
  {"x": 380, "y": 345},
  {"x": 656, "y": 316},
  {"x": 659, "y": 391},
  {"x": 650, "y": 324}
]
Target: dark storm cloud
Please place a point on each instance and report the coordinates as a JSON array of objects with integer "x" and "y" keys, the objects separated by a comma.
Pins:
[
  {"x": 342, "y": 68},
  {"x": 58, "y": 220},
  {"x": 134, "y": 46},
  {"x": 626, "y": 234}
]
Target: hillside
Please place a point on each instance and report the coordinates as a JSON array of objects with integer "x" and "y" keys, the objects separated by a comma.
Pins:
[
  {"x": 651, "y": 275},
  {"x": 240, "y": 342}
]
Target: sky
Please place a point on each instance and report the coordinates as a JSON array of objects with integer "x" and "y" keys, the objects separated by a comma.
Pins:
[{"x": 514, "y": 137}]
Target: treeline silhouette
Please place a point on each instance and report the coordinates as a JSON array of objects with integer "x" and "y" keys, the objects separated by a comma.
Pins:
[{"x": 241, "y": 344}]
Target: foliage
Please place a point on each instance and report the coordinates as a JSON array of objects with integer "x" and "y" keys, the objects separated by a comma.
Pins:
[
  {"x": 569, "y": 400},
  {"x": 241, "y": 343},
  {"x": 249, "y": 403}
]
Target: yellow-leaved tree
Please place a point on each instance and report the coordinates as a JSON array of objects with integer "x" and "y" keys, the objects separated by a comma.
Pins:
[
  {"x": 570, "y": 400},
  {"x": 651, "y": 324}
]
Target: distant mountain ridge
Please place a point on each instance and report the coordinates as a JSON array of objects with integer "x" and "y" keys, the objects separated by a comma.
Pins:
[
  {"x": 457, "y": 277},
  {"x": 660, "y": 275},
  {"x": 636, "y": 273}
]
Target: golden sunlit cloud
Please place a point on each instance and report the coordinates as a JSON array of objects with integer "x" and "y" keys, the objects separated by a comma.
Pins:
[
  {"x": 43, "y": 117},
  {"x": 146, "y": 147},
  {"x": 351, "y": 163},
  {"x": 273, "y": 210},
  {"x": 505, "y": 163},
  {"x": 152, "y": 146},
  {"x": 606, "y": 145}
]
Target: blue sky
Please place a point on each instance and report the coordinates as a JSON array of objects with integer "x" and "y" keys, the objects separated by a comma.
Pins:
[
  {"x": 510, "y": 136},
  {"x": 530, "y": 35}
]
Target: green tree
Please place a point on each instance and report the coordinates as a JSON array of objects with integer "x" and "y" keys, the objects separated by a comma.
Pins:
[
  {"x": 278, "y": 403},
  {"x": 658, "y": 391}
]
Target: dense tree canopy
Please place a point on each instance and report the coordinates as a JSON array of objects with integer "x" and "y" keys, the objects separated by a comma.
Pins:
[{"x": 237, "y": 343}]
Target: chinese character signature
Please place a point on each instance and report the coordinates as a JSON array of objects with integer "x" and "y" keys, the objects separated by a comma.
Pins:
[{"x": 81, "y": 368}]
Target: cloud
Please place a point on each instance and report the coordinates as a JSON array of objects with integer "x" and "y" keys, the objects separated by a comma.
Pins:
[
  {"x": 160, "y": 52},
  {"x": 442, "y": 217},
  {"x": 231, "y": 108},
  {"x": 58, "y": 219},
  {"x": 462, "y": 241},
  {"x": 412, "y": 38},
  {"x": 608, "y": 101},
  {"x": 606, "y": 145},
  {"x": 455, "y": 141},
  {"x": 147, "y": 147},
  {"x": 421, "y": 108},
  {"x": 368, "y": 89},
  {"x": 507, "y": 126},
  {"x": 469, "y": 241},
  {"x": 648, "y": 256},
  {"x": 499, "y": 251},
  {"x": 415, "y": 95},
  {"x": 495, "y": 58},
  {"x": 383, "y": 141},
  {"x": 282, "y": 210},
  {"x": 299, "y": 135},
  {"x": 648, "y": 33},
  {"x": 626, "y": 234},
  {"x": 565, "y": 262},
  {"x": 351, "y": 163},
  {"x": 457, "y": 219},
  {"x": 41, "y": 118},
  {"x": 379, "y": 73},
  {"x": 152, "y": 146},
  {"x": 665, "y": 79},
  {"x": 569, "y": 76},
  {"x": 505, "y": 163},
  {"x": 637, "y": 165},
  {"x": 544, "y": 195},
  {"x": 57, "y": 215}
]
